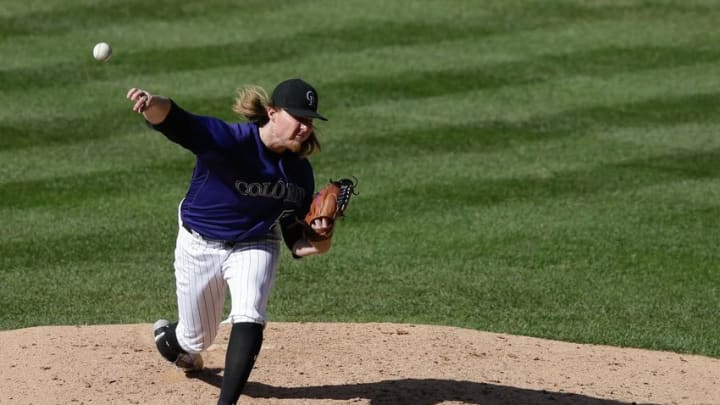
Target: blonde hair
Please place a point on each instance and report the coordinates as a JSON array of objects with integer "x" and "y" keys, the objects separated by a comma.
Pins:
[{"x": 252, "y": 102}]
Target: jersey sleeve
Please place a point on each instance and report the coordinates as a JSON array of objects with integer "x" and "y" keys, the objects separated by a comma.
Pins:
[
  {"x": 292, "y": 231},
  {"x": 196, "y": 132},
  {"x": 291, "y": 225}
]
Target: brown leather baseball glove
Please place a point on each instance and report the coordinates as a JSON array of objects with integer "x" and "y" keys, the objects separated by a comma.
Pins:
[{"x": 329, "y": 203}]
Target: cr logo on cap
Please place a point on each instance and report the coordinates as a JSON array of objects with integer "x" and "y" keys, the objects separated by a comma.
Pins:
[{"x": 310, "y": 97}]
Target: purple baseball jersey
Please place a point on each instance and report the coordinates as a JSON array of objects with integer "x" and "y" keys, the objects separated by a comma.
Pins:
[{"x": 239, "y": 188}]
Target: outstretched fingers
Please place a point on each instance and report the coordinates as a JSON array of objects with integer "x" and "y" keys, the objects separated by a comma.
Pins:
[{"x": 141, "y": 98}]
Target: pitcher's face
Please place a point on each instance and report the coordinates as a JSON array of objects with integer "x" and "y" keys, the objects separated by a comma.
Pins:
[{"x": 290, "y": 131}]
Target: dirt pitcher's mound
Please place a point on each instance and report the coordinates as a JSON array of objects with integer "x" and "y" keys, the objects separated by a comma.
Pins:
[{"x": 312, "y": 363}]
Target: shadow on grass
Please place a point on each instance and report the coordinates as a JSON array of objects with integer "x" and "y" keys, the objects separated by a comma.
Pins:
[{"x": 414, "y": 391}]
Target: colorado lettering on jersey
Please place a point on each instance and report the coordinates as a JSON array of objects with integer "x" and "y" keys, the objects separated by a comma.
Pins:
[{"x": 279, "y": 190}]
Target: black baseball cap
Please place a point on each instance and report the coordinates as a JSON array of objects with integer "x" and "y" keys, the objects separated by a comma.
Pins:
[{"x": 297, "y": 97}]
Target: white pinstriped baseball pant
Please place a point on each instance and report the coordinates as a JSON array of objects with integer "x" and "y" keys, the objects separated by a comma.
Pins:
[{"x": 205, "y": 269}]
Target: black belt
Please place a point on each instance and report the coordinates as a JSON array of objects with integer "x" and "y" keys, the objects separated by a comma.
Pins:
[{"x": 226, "y": 243}]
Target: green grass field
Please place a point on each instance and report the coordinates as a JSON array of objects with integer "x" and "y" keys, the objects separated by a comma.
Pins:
[{"x": 543, "y": 168}]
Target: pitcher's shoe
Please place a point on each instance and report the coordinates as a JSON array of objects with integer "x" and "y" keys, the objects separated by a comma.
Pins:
[
  {"x": 189, "y": 361},
  {"x": 166, "y": 343},
  {"x": 162, "y": 329}
]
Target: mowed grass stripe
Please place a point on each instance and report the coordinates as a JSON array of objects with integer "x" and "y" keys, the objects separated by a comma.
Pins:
[
  {"x": 73, "y": 189},
  {"x": 426, "y": 193},
  {"x": 504, "y": 134},
  {"x": 121, "y": 12},
  {"x": 354, "y": 35},
  {"x": 448, "y": 188},
  {"x": 601, "y": 260},
  {"x": 134, "y": 149},
  {"x": 491, "y": 48},
  {"x": 349, "y": 38},
  {"x": 69, "y": 189},
  {"x": 67, "y": 17},
  {"x": 496, "y": 14},
  {"x": 426, "y": 142},
  {"x": 518, "y": 42},
  {"x": 426, "y": 196},
  {"x": 523, "y": 103},
  {"x": 450, "y": 197},
  {"x": 589, "y": 128},
  {"x": 116, "y": 237},
  {"x": 104, "y": 289},
  {"x": 433, "y": 141},
  {"x": 411, "y": 85},
  {"x": 139, "y": 212},
  {"x": 87, "y": 246},
  {"x": 595, "y": 62}
]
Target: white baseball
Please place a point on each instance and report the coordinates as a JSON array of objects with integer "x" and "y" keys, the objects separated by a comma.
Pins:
[{"x": 102, "y": 51}]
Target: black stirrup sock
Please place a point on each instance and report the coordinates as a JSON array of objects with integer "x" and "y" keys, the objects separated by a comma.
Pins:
[{"x": 243, "y": 348}]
